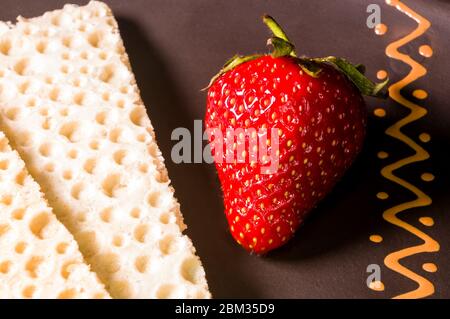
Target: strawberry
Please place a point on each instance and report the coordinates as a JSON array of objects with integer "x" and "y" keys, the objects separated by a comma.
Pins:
[{"x": 317, "y": 110}]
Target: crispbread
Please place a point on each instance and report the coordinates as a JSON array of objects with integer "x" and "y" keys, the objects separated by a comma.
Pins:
[
  {"x": 70, "y": 105},
  {"x": 38, "y": 256}
]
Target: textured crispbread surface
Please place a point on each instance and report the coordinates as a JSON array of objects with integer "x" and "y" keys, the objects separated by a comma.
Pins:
[
  {"x": 38, "y": 256},
  {"x": 70, "y": 105}
]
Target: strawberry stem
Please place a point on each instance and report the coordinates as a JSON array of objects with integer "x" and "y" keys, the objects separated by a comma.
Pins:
[
  {"x": 283, "y": 47},
  {"x": 280, "y": 47},
  {"x": 355, "y": 73},
  {"x": 278, "y": 32}
]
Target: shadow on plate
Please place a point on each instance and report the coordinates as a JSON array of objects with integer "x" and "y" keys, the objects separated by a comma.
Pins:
[
  {"x": 196, "y": 184},
  {"x": 337, "y": 223}
]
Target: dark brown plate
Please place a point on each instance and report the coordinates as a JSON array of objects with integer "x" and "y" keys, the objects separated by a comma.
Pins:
[{"x": 176, "y": 46}]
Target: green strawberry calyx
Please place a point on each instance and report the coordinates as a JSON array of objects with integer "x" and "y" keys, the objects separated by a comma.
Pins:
[{"x": 283, "y": 47}]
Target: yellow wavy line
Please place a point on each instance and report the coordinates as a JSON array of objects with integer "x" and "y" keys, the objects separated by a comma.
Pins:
[{"x": 392, "y": 261}]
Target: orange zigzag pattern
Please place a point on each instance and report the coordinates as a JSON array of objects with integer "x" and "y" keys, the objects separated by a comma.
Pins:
[{"x": 392, "y": 261}]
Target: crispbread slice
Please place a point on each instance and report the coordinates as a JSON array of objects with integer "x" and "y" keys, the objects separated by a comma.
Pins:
[
  {"x": 38, "y": 256},
  {"x": 70, "y": 105}
]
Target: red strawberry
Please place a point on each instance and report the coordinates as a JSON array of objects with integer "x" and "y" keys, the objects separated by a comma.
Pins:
[{"x": 317, "y": 109}]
